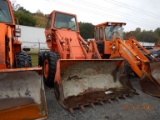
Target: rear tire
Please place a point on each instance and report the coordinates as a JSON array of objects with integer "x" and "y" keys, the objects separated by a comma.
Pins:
[
  {"x": 49, "y": 68},
  {"x": 23, "y": 59}
]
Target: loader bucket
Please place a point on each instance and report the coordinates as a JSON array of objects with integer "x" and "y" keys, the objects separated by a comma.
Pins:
[
  {"x": 84, "y": 82},
  {"x": 22, "y": 94},
  {"x": 150, "y": 84}
]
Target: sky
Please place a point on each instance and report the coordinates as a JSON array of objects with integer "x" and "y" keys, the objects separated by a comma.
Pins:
[{"x": 136, "y": 13}]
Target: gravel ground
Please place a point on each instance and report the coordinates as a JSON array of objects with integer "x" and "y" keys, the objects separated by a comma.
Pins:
[{"x": 138, "y": 107}]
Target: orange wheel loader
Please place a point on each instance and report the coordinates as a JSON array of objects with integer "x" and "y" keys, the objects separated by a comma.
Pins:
[
  {"x": 110, "y": 44},
  {"x": 21, "y": 86},
  {"x": 75, "y": 68}
]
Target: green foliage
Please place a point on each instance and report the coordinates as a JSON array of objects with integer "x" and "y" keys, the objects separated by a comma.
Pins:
[
  {"x": 138, "y": 30},
  {"x": 157, "y": 31},
  {"x": 40, "y": 19},
  {"x": 86, "y": 30},
  {"x": 25, "y": 17},
  {"x": 146, "y": 36}
]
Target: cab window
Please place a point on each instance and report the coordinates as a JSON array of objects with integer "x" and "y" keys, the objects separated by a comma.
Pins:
[
  {"x": 5, "y": 15},
  {"x": 96, "y": 34},
  {"x": 49, "y": 22},
  {"x": 101, "y": 33}
]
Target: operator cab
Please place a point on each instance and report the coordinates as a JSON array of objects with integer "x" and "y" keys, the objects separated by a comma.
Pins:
[
  {"x": 105, "y": 30},
  {"x": 104, "y": 33},
  {"x": 62, "y": 21},
  {"x": 5, "y": 15}
]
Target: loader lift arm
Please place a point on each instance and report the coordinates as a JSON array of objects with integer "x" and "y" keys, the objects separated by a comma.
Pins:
[
  {"x": 139, "y": 64},
  {"x": 130, "y": 51}
]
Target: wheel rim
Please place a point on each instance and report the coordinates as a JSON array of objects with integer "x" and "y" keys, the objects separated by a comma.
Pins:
[{"x": 46, "y": 68}]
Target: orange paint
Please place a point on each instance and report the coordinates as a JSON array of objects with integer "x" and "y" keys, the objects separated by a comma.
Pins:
[{"x": 9, "y": 47}]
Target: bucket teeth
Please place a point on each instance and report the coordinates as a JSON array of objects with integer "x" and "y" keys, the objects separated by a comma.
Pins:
[
  {"x": 124, "y": 97},
  {"x": 101, "y": 102},
  {"x": 92, "y": 105},
  {"x": 71, "y": 110},
  {"x": 129, "y": 95},
  {"x": 82, "y": 108},
  {"x": 135, "y": 93},
  {"x": 117, "y": 99},
  {"x": 109, "y": 100}
]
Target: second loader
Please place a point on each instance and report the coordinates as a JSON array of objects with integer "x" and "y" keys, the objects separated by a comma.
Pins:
[
  {"x": 22, "y": 94},
  {"x": 110, "y": 43},
  {"x": 79, "y": 76}
]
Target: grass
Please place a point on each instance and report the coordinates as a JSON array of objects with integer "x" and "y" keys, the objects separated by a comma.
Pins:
[{"x": 34, "y": 57}]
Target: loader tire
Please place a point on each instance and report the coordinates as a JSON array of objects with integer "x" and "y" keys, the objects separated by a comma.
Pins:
[
  {"x": 41, "y": 58},
  {"x": 49, "y": 68},
  {"x": 23, "y": 59}
]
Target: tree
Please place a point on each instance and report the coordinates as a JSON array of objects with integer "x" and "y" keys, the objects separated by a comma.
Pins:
[
  {"x": 40, "y": 19},
  {"x": 146, "y": 36},
  {"x": 157, "y": 31},
  {"x": 86, "y": 30},
  {"x": 138, "y": 30},
  {"x": 25, "y": 17}
]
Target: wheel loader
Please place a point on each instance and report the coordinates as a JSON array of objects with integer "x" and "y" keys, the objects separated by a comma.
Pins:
[
  {"x": 75, "y": 69},
  {"x": 21, "y": 86},
  {"x": 110, "y": 44}
]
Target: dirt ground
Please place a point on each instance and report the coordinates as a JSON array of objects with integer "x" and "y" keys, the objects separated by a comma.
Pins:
[{"x": 138, "y": 107}]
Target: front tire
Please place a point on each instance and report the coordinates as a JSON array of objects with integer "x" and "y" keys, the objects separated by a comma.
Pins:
[{"x": 49, "y": 68}]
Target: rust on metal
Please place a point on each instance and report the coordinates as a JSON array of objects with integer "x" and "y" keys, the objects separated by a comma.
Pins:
[
  {"x": 38, "y": 69},
  {"x": 151, "y": 83},
  {"x": 22, "y": 95},
  {"x": 83, "y": 82},
  {"x": 26, "y": 112},
  {"x": 150, "y": 86},
  {"x": 21, "y": 89},
  {"x": 155, "y": 71}
]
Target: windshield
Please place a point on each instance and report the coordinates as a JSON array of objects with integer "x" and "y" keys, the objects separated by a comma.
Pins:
[
  {"x": 4, "y": 12},
  {"x": 110, "y": 29},
  {"x": 65, "y": 21}
]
